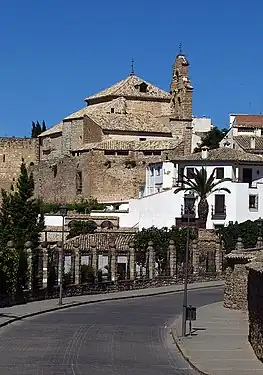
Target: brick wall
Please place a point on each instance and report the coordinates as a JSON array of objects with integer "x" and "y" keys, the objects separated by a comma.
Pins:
[{"x": 12, "y": 151}]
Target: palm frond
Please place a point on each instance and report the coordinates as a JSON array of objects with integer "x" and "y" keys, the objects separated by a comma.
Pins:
[{"x": 221, "y": 189}]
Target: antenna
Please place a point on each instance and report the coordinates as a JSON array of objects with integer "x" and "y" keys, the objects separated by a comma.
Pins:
[{"x": 132, "y": 67}]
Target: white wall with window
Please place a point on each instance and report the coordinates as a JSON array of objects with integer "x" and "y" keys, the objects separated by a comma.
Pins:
[{"x": 160, "y": 208}]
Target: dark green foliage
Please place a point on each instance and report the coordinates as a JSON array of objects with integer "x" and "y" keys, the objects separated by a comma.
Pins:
[
  {"x": 83, "y": 207},
  {"x": 36, "y": 129},
  {"x": 19, "y": 222},
  {"x": 160, "y": 239},
  {"x": 248, "y": 231},
  {"x": 44, "y": 128},
  {"x": 212, "y": 139},
  {"x": 81, "y": 227},
  {"x": 33, "y": 130},
  {"x": 87, "y": 274}
]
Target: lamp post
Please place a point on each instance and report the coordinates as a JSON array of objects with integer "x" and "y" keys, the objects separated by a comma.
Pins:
[
  {"x": 63, "y": 210},
  {"x": 186, "y": 275}
]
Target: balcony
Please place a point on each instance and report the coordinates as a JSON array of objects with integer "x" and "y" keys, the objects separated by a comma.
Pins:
[
  {"x": 218, "y": 214},
  {"x": 187, "y": 211}
]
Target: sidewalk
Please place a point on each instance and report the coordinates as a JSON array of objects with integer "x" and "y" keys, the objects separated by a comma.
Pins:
[
  {"x": 18, "y": 312},
  {"x": 219, "y": 345}
]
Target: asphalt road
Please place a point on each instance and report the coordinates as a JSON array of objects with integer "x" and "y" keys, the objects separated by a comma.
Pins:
[{"x": 127, "y": 337}]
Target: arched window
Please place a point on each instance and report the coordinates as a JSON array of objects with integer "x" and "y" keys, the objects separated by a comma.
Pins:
[{"x": 107, "y": 225}]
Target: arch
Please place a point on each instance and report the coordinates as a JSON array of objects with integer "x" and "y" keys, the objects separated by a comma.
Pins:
[{"x": 107, "y": 224}]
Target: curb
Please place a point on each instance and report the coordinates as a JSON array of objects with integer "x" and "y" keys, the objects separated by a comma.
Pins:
[
  {"x": 76, "y": 304},
  {"x": 179, "y": 346}
]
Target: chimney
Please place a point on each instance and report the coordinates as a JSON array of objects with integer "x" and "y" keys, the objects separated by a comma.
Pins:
[
  {"x": 204, "y": 152},
  {"x": 253, "y": 142}
]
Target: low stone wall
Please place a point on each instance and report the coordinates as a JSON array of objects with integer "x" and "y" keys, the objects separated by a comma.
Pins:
[
  {"x": 255, "y": 308},
  {"x": 99, "y": 288},
  {"x": 236, "y": 275}
]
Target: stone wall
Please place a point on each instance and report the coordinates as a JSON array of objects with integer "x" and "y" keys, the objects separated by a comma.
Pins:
[
  {"x": 12, "y": 152},
  {"x": 255, "y": 307},
  {"x": 105, "y": 177}
]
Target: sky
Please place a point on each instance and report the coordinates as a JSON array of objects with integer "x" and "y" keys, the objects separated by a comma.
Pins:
[{"x": 54, "y": 53}]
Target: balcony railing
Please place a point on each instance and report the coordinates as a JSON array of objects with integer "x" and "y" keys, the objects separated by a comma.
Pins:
[
  {"x": 218, "y": 215},
  {"x": 188, "y": 212}
]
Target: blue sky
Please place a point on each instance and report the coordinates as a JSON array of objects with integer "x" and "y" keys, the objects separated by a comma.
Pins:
[{"x": 55, "y": 53}]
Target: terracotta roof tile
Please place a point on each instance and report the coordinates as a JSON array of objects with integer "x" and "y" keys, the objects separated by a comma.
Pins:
[
  {"x": 223, "y": 154},
  {"x": 128, "y": 87},
  {"x": 251, "y": 121},
  {"x": 244, "y": 141},
  {"x": 55, "y": 129},
  {"x": 132, "y": 145}
]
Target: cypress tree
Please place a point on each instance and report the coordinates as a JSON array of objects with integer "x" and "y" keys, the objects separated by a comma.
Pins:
[
  {"x": 33, "y": 130},
  {"x": 20, "y": 222},
  {"x": 38, "y": 129},
  {"x": 44, "y": 128}
]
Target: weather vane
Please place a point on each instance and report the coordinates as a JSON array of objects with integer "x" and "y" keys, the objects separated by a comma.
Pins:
[{"x": 180, "y": 48}]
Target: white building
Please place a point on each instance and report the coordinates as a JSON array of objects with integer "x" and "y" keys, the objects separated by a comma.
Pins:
[
  {"x": 245, "y": 133},
  {"x": 161, "y": 207},
  {"x": 200, "y": 127}
]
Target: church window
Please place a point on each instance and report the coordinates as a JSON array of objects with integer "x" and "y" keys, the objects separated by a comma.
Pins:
[
  {"x": 112, "y": 110},
  {"x": 143, "y": 87},
  {"x": 79, "y": 182},
  {"x": 142, "y": 139},
  {"x": 123, "y": 152},
  {"x": 109, "y": 152},
  {"x": 3, "y": 158}
]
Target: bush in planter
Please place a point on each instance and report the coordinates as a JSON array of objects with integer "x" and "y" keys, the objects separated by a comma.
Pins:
[{"x": 87, "y": 274}]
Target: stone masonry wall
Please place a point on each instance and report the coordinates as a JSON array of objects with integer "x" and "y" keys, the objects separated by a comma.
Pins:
[
  {"x": 105, "y": 177},
  {"x": 12, "y": 152},
  {"x": 255, "y": 308}
]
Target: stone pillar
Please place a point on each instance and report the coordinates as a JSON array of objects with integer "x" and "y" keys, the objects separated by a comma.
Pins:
[
  {"x": 239, "y": 244},
  {"x": 172, "y": 258},
  {"x": 151, "y": 260},
  {"x": 28, "y": 246},
  {"x": 195, "y": 257},
  {"x": 131, "y": 261},
  {"x": 94, "y": 260},
  {"x": 259, "y": 242},
  {"x": 113, "y": 262},
  {"x": 218, "y": 258},
  {"x": 44, "y": 266},
  {"x": 77, "y": 266}
]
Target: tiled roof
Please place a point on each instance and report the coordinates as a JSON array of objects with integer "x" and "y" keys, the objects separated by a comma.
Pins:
[
  {"x": 132, "y": 145},
  {"x": 55, "y": 129},
  {"x": 140, "y": 121},
  {"x": 250, "y": 121},
  {"x": 128, "y": 87},
  {"x": 244, "y": 141},
  {"x": 101, "y": 240},
  {"x": 223, "y": 154}
]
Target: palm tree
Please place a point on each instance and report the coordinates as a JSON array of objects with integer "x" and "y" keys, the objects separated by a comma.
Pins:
[{"x": 202, "y": 186}]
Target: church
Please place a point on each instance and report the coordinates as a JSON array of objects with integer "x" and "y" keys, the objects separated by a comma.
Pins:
[{"x": 102, "y": 150}]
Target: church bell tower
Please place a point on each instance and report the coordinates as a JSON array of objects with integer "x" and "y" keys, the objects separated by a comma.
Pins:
[{"x": 181, "y": 102}]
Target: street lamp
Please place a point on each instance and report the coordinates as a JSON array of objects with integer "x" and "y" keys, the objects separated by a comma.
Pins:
[
  {"x": 184, "y": 317},
  {"x": 63, "y": 210}
]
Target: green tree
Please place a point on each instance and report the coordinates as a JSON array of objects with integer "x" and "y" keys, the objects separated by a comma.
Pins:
[
  {"x": 38, "y": 129},
  {"x": 20, "y": 222},
  {"x": 202, "y": 186},
  {"x": 33, "y": 130},
  {"x": 44, "y": 128},
  {"x": 77, "y": 227},
  {"x": 212, "y": 139}
]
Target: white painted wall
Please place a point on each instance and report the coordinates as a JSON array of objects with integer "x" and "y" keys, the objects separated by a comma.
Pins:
[
  {"x": 53, "y": 220},
  {"x": 201, "y": 124},
  {"x": 137, "y": 137}
]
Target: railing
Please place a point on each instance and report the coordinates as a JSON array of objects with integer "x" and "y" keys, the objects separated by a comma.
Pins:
[
  {"x": 188, "y": 212},
  {"x": 218, "y": 215}
]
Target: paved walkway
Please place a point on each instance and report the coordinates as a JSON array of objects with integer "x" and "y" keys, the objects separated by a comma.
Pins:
[
  {"x": 14, "y": 313},
  {"x": 219, "y": 345}
]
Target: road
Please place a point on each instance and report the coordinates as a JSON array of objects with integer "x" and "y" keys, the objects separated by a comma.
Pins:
[{"x": 126, "y": 337}]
